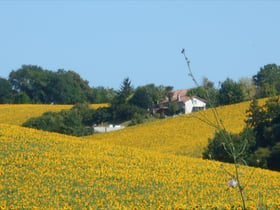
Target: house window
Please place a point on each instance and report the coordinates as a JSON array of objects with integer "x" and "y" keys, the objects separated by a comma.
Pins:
[{"x": 195, "y": 109}]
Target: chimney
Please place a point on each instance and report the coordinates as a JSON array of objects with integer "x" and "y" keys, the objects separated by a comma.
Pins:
[{"x": 179, "y": 97}]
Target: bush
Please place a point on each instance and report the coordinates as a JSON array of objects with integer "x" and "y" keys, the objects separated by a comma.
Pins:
[
  {"x": 219, "y": 147},
  {"x": 273, "y": 161},
  {"x": 71, "y": 122},
  {"x": 262, "y": 134},
  {"x": 137, "y": 119}
]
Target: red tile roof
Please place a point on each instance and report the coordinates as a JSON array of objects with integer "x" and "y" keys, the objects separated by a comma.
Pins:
[{"x": 181, "y": 96}]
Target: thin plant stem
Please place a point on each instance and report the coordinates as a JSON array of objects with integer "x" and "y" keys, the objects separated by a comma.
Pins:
[{"x": 219, "y": 125}]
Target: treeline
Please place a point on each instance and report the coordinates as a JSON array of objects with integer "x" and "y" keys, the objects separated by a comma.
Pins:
[
  {"x": 259, "y": 142},
  {"x": 128, "y": 105},
  {"x": 265, "y": 83},
  {"x": 32, "y": 84}
]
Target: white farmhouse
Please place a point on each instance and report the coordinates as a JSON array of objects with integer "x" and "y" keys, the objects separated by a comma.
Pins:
[{"x": 185, "y": 103}]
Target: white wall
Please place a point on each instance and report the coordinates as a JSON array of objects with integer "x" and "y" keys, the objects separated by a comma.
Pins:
[
  {"x": 193, "y": 103},
  {"x": 102, "y": 129},
  {"x": 188, "y": 106}
]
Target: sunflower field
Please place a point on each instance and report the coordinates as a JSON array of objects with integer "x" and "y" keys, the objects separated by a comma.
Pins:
[
  {"x": 156, "y": 165},
  {"x": 17, "y": 114}
]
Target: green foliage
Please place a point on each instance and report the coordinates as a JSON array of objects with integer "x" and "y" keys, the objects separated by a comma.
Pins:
[
  {"x": 262, "y": 136},
  {"x": 266, "y": 122},
  {"x": 148, "y": 96},
  {"x": 36, "y": 85},
  {"x": 206, "y": 91},
  {"x": 273, "y": 161},
  {"x": 32, "y": 80},
  {"x": 22, "y": 98},
  {"x": 259, "y": 157},
  {"x": 230, "y": 92},
  {"x": 137, "y": 119},
  {"x": 102, "y": 95},
  {"x": 173, "y": 108},
  {"x": 221, "y": 145},
  {"x": 75, "y": 121},
  {"x": 248, "y": 88},
  {"x": 67, "y": 87},
  {"x": 6, "y": 92},
  {"x": 267, "y": 81},
  {"x": 124, "y": 94},
  {"x": 126, "y": 112},
  {"x": 102, "y": 115}
]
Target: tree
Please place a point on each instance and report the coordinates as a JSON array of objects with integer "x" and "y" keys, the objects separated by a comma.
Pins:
[
  {"x": 6, "y": 92},
  {"x": 230, "y": 92},
  {"x": 169, "y": 92},
  {"x": 173, "y": 108},
  {"x": 75, "y": 121},
  {"x": 102, "y": 95},
  {"x": 121, "y": 109},
  {"x": 67, "y": 87},
  {"x": 248, "y": 88},
  {"x": 32, "y": 80},
  {"x": 265, "y": 121},
  {"x": 147, "y": 96},
  {"x": 267, "y": 81},
  {"x": 142, "y": 98},
  {"x": 101, "y": 115},
  {"x": 219, "y": 149},
  {"x": 273, "y": 161},
  {"x": 126, "y": 112},
  {"x": 261, "y": 135},
  {"x": 21, "y": 98},
  {"x": 126, "y": 91},
  {"x": 206, "y": 91},
  {"x": 44, "y": 86}
]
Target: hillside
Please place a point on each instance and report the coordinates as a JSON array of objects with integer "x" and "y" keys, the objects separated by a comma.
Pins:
[
  {"x": 153, "y": 165},
  {"x": 16, "y": 114},
  {"x": 181, "y": 135},
  {"x": 48, "y": 170}
]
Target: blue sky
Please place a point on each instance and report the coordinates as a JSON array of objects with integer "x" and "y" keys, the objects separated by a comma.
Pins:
[{"x": 107, "y": 41}]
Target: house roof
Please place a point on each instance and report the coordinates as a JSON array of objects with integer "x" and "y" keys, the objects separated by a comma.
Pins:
[{"x": 181, "y": 96}]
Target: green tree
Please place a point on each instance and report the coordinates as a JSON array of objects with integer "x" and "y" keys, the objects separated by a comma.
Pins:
[
  {"x": 219, "y": 149},
  {"x": 21, "y": 98},
  {"x": 206, "y": 91},
  {"x": 248, "y": 88},
  {"x": 44, "y": 86},
  {"x": 102, "y": 95},
  {"x": 273, "y": 161},
  {"x": 101, "y": 115},
  {"x": 126, "y": 112},
  {"x": 168, "y": 92},
  {"x": 67, "y": 87},
  {"x": 121, "y": 109},
  {"x": 75, "y": 121},
  {"x": 265, "y": 121},
  {"x": 230, "y": 92},
  {"x": 125, "y": 93},
  {"x": 32, "y": 80},
  {"x": 148, "y": 96},
  {"x": 173, "y": 109},
  {"x": 267, "y": 81},
  {"x": 6, "y": 92}
]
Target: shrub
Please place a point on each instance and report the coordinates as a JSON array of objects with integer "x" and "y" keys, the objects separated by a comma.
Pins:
[
  {"x": 71, "y": 122},
  {"x": 219, "y": 149}
]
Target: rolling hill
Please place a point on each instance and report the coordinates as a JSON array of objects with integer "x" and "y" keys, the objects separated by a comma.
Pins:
[{"x": 154, "y": 165}]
